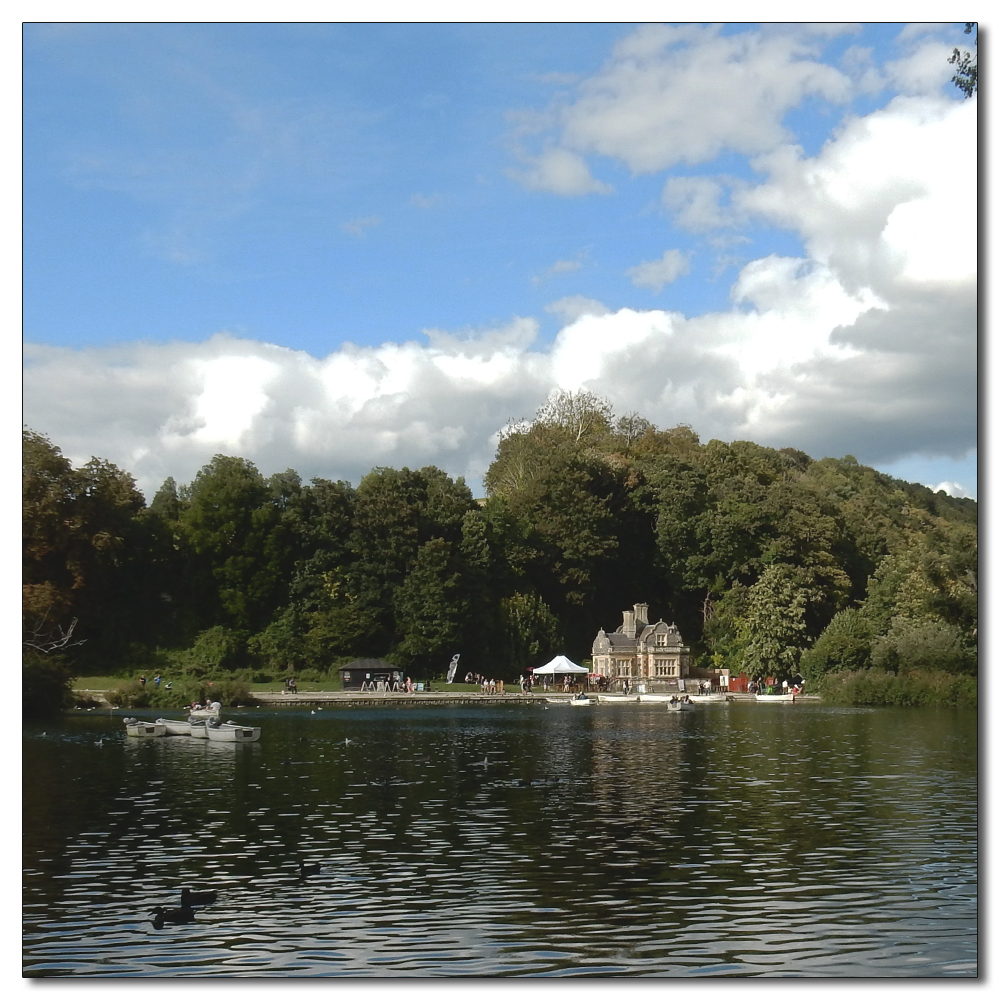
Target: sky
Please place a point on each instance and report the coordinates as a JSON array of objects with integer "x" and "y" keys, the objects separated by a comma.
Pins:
[{"x": 331, "y": 247}]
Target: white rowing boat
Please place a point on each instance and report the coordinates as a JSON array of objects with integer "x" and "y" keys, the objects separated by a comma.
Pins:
[
  {"x": 175, "y": 727},
  {"x": 144, "y": 730},
  {"x": 706, "y": 699},
  {"x": 581, "y": 703},
  {"x": 229, "y": 732},
  {"x": 212, "y": 712},
  {"x": 775, "y": 697}
]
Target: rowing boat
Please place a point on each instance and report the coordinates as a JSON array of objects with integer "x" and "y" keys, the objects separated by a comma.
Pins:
[
  {"x": 229, "y": 732},
  {"x": 144, "y": 730}
]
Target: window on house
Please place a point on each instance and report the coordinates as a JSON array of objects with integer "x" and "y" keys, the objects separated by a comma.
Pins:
[{"x": 661, "y": 639}]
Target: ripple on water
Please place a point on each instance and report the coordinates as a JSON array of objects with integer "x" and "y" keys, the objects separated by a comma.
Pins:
[{"x": 623, "y": 843}]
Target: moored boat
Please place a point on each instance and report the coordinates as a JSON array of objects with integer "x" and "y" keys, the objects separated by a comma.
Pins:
[
  {"x": 212, "y": 712},
  {"x": 613, "y": 698},
  {"x": 705, "y": 699},
  {"x": 199, "y": 729},
  {"x": 144, "y": 730},
  {"x": 581, "y": 702},
  {"x": 229, "y": 732},
  {"x": 775, "y": 697},
  {"x": 175, "y": 727}
]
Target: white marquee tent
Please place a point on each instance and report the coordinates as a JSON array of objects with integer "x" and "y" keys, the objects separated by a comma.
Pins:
[{"x": 560, "y": 665}]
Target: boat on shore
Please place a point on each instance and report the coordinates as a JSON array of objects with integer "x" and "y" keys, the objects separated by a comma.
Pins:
[
  {"x": 230, "y": 732},
  {"x": 775, "y": 697},
  {"x": 144, "y": 730},
  {"x": 615, "y": 698}
]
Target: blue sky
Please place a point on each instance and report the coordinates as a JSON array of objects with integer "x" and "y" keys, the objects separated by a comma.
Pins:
[{"x": 329, "y": 247}]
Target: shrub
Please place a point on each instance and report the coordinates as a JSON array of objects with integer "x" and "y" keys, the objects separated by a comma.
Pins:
[
  {"x": 46, "y": 685},
  {"x": 911, "y": 688}
]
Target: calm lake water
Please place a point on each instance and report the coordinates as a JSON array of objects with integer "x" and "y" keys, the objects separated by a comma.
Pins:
[{"x": 735, "y": 840}]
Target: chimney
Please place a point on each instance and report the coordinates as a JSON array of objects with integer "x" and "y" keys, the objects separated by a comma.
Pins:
[
  {"x": 628, "y": 623},
  {"x": 641, "y": 614}
]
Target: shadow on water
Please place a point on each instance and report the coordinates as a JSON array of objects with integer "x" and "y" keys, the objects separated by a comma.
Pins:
[{"x": 621, "y": 839}]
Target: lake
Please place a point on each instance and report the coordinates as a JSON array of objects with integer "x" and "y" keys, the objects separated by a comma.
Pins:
[{"x": 734, "y": 840}]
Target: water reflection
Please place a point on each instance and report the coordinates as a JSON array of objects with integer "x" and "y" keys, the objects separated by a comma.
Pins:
[{"x": 739, "y": 840}]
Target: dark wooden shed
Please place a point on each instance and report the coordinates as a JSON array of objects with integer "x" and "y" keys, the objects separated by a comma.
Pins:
[{"x": 368, "y": 671}]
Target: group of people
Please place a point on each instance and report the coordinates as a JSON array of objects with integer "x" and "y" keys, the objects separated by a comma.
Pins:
[
  {"x": 384, "y": 685},
  {"x": 156, "y": 680}
]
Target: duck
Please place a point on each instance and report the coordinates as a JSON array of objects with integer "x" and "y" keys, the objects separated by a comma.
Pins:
[
  {"x": 305, "y": 869},
  {"x": 202, "y": 898},
  {"x": 182, "y": 915}
]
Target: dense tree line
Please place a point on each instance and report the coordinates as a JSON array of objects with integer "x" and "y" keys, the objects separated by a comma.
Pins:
[{"x": 769, "y": 561}]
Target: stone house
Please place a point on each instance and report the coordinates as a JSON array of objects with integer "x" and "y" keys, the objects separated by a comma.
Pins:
[{"x": 652, "y": 655}]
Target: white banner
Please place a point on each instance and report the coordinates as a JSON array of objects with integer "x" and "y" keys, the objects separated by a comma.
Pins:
[{"x": 452, "y": 667}]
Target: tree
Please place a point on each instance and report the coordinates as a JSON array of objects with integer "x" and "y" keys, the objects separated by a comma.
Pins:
[
  {"x": 583, "y": 414},
  {"x": 230, "y": 525},
  {"x": 772, "y": 629},
  {"x": 966, "y": 76}
]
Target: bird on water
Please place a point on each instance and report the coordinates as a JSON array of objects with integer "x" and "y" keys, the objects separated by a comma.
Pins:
[
  {"x": 182, "y": 915},
  {"x": 201, "y": 898}
]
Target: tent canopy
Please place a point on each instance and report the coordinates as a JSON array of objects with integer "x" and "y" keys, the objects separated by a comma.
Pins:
[{"x": 560, "y": 665}]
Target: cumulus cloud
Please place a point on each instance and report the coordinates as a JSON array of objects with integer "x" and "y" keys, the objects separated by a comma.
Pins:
[
  {"x": 952, "y": 489},
  {"x": 864, "y": 344},
  {"x": 671, "y": 95},
  {"x": 696, "y": 203},
  {"x": 654, "y": 274}
]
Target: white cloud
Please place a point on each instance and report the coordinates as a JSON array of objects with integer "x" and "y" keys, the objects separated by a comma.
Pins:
[
  {"x": 559, "y": 267},
  {"x": 923, "y": 71},
  {"x": 952, "y": 489},
  {"x": 559, "y": 171},
  {"x": 671, "y": 95},
  {"x": 866, "y": 344},
  {"x": 891, "y": 199},
  {"x": 572, "y": 307},
  {"x": 654, "y": 274},
  {"x": 697, "y": 203},
  {"x": 358, "y": 227}
]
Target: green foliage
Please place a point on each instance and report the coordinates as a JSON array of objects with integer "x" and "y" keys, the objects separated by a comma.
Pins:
[
  {"x": 46, "y": 685},
  {"x": 910, "y": 689},
  {"x": 846, "y": 644},
  {"x": 531, "y": 631},
  {"x": 966, "y": 64},
  {"x": 230, "y": 691},
  {"x": 216, "y": 650},
  {"x": 767, "y": 560}
]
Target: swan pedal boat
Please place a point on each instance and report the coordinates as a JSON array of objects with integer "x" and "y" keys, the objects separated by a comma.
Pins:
[{"x": 230, "y": 732}]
